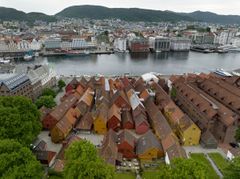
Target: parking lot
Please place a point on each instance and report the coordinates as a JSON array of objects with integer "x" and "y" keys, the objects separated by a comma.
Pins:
[
  {"x": 93, "y": 138},
  {"x": 129, "y": 165}
]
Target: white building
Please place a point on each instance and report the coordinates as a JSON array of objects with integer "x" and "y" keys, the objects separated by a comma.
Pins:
[
  {"x": 151, "y": 41},
  {"x": 161, "y": 44},
  {"x": 235, "y": 41},
  {"x": 225, "y": 37},
  {"x": 53, "y": 43},
  {"x": 180, "y": 44},
  {"x": 35, "y": 45},
  {"x": 12, "y": 46},
  {"x": 3, "y": 46},
  {"x": 232, "y": 153},
  {"x": 120, "y": 45},
  {"x": 66, "y": 45},
  {"x": 79, "y": 43},
  {"x": 23, "y": 45},
  {"x": 41, "y": 77}
]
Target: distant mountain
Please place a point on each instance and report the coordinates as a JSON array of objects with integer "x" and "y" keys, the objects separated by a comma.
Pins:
[
  {"x": 13, "y": 14},
  {"x": 131, "y": 14},
  {"x": 212, "y": 17}
]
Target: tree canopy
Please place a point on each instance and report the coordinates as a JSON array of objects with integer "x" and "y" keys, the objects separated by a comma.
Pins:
[
  {"x": 237, "y": 135},
  {"x": 18, "y": 161},
  {"x": 61, "y": 84},
  {"x": 183, "y": 168},
  {"x": 82, "y": 161},
  {"x": 19, "y": 119},
  {"x": 233, "y": 169},
  {"x": 47, "y": 101},
  {"x": 49, "y": 92}
]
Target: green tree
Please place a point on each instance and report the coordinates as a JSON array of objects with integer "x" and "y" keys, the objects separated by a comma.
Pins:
[
  {"x": 49, "y": 92},
  {"x": 82, "y": 161},
  {"x": 19, "y": 119},
  {"x": 18, "y": 161},
  {"x": 173, "y": 92},
  {"x": 61, "y": 84},
  {"x": 183, "y": 168},
  {"x": 237, "y": 135},
  {"x": 47, "y": 101},
  {"x": 232, "y": 171}
]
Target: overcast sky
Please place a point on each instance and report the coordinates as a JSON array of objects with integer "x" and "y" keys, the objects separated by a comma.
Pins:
[{"x": 53, "y": 6}]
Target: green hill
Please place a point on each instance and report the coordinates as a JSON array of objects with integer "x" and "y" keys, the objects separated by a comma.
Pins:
[
  {"x": 131, "y": 14},
  {"x": 13, "y": 14},
  {"x": 128, "y": 14},
  {"x": 213, "y": 18}
]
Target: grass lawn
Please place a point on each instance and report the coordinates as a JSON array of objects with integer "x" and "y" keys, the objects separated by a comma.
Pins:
[
  {"x": 201, "y": 158},
  {"x": 124, "y": 176},
  {"x": 149, "y": 174},
  {"x": 219, "y": 161}
]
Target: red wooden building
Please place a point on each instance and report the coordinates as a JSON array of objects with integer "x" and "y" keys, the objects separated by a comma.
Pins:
[
  {"x": 126, "y": 144},
  {"x": 114, "y": 118},
  {"x": 120, "y": 99},
  {"x": 57, "y": 114},
  {"x": 141, "y": 124},
  {"x": 127, "y": 121}
]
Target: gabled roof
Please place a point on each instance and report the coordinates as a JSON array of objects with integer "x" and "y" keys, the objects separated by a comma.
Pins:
[
  {"x": 74, "y": 82},
  {"x": 126, "y": 117},
  {"x": 80, "y": 90},
  {"x": 197, "y": 99},
  {"x": 15, "y": 81},
  {"x": 173, "y": 148},
  {"x": 208, "y": 137},
  {"x": 109, "y": 150},
  {"x": 157, "y": 120},
  {"x": 114, "y": 111},
  {"x": 127, "y": 136},
  {"x": 119, "y": 94},
  {"x": 83, "y": 82},
  {"x": 87, "y": 97},
  {"x": 147, "y": 142},
  {"x": 162, "y": 98},
  {"x": 225, "y": 115},
  {"x": 45, "y": 156},
  {"x": 86, "y": 122},
  {"x": 61, "y": 109},
  {"x": 125, "y": 81},
  {"x": 139, "y": 119},
  {"x": 64, "y": 125},
  {"x": 134, "y": 100},
  {"x": 102, "y": 112}
]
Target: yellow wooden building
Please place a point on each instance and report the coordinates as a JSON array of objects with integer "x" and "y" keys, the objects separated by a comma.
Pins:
[
  {"x": 149, "y": 147},
  {"x": 100, "y": 121},
  {"x": 187, "y": 131}
]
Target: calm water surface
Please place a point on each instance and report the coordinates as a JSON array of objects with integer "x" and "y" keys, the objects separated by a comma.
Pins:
[{"x": 118, "y": 64}]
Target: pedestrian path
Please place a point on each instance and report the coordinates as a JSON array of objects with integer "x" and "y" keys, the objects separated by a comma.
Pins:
[{"x": 214, "y": 166}]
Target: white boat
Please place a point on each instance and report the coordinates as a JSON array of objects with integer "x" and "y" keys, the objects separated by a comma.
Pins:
[
  {"x": 36, "y": 54},
  {"x": 235, "y": 73},
  {"x": 28, "y": 57},
  {"x": 4, "y": 61},
  {"x": 221, "y": 72},
  {"x": 230, "y": 48}
]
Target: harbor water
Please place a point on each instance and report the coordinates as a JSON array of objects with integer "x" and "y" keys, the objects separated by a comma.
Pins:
[{"x": 137, "y": 64}]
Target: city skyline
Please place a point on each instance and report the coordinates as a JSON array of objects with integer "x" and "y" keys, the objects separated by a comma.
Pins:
[{"x": 54, "y": 6}]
